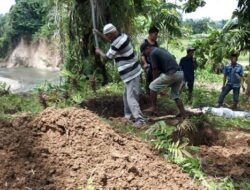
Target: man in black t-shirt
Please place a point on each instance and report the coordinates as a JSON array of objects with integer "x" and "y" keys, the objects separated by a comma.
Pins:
[
  {"x": 146, "y": 62},
  {"x": 166, "y": 73},
  {"x": 188, "y": 65}
]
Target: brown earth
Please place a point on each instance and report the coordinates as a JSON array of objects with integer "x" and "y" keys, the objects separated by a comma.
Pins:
[
  {"x": 68, "y": 148},
  {"x": 112, "y": 106},
  {"x": 229, "y": 156},
  {"x": 204, "y": 134},
  {"x": 222, "y": 153}
]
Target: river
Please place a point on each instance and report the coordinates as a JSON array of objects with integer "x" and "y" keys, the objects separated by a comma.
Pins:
[{"x": 23, "y": 79}]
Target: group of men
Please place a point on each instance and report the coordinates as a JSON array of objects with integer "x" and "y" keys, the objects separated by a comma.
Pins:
[{"x": 161, "y": 70}]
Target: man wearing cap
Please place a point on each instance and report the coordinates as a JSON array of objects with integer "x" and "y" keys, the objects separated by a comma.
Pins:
[
  {"x": 188, "y": 65},
  {"x": 233, "y": 75},
  {"x": 129, "y": 69},
  {"x": 151, "y": 40},
  {"x": 166, "y": 73}
]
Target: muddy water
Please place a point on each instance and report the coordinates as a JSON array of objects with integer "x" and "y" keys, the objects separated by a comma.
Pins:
[{"x": 25, "y": 79}]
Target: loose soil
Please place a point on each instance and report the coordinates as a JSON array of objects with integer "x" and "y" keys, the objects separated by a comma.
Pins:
[
  {"x": 222, "y": 153},
  {"x": 203, "y": 134},
  {"x": 228, "y": 156},
  {"x": 70, "y": 148}
]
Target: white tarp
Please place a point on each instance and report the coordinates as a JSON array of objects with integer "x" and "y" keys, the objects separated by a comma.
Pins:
[{"x": 222, "y": 112}]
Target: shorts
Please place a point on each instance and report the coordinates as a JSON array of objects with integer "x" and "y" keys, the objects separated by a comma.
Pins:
[{"x": 174, "y": 81}]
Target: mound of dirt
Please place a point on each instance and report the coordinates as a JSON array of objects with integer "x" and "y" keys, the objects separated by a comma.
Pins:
[
  {"x": 229, "y": 156},
  {"x": 72, "y": 148}
]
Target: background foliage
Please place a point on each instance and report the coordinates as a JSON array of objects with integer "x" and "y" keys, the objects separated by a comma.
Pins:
[{"x": 69, "y": 22}]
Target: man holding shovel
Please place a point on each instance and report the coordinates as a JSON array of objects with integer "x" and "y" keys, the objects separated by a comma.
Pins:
[{"x": 122, "y": 51}]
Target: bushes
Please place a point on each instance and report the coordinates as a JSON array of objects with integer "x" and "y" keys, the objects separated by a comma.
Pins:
[{"x": 161, "y": 136}]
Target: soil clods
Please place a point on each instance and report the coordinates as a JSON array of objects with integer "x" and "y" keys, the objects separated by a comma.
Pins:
[{"x": 72, "y": 148}]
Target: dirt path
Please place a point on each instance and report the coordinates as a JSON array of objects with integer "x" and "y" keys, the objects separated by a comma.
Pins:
[{"x": 69, "y": 148}]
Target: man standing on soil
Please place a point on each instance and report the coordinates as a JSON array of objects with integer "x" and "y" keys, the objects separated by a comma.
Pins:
[
  {"x": 188, "y": 65},
  {"x": 233, "y": 74},
  {"x": 129, "y": 69},
  {"x": 146, "y": 62},
  {"x": 166, "y": 73}
]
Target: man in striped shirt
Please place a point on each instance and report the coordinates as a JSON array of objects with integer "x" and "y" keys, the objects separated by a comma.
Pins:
[{"x": 128, "y": 67}]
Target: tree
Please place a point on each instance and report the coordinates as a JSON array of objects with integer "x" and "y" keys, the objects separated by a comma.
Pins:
[
  {"x": 73, "y": 19},
  {"x": 242, "y": 13},
  {"x": 202, "y": 25},
  {"x": 124, "y": 14},
  {"x": 25, "y": 18},
  {"x": 191, "y": 5},
  {"x": 78, "y": 41},
  {"x": 2, "y": 21},
  {"x": 234, "y": 37}
]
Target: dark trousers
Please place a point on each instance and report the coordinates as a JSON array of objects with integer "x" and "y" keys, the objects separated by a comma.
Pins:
[
  {"x": 190, "y": 85},
  {"x": 149, "y": 79},
  {"x": 226, "y": 90}
]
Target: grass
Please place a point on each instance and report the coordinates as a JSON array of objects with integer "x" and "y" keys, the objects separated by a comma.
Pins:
[
  {"x": 18, "y": 103},
  {"x": 205, "y": 75},
  {"x": 229, "y": 124}
]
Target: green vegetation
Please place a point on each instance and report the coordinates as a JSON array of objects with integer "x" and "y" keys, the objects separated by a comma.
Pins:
[
  {"x": 202, "y": 25},
  {"x": 234, "y": 37},
  {"x": 160, "y": 135},
  {"x": 86, "y": 76},
  {"x": 18, "y": 103},
  {"x": 4, "y": 88},
  {"x": 178, "y": 152},
  {"x": 63, "y": 20},
  {"x": 26, "y": 19}
]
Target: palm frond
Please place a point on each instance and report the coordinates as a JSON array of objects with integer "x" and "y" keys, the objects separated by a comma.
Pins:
[{"x": 186, "y": 126}]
